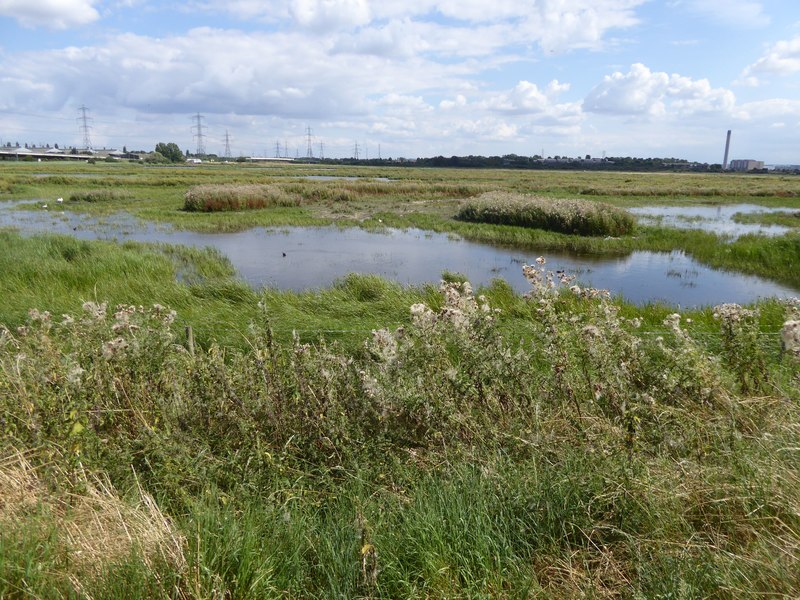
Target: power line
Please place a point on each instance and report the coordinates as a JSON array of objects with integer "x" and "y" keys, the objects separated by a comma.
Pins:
[
  {"x": 309, "y": 149},
  {"x": 85, "y": 127},
  {"x": 227, "y": 145},
  {"x": 355, "y": 151},
  {"x": 201, "y": 147}
]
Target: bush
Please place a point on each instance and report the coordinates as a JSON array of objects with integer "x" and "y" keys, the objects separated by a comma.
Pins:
[
  {"x": 215, "y": 198},
  {"x": 578, "y": 217}
]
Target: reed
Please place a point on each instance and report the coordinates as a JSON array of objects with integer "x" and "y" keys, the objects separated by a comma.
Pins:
[
  {"x": 216, "y": 197},
  {"x": 576, "y": 217},
  {"x": 101, "y": 195}
]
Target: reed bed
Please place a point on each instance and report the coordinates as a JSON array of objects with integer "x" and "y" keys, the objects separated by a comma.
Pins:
[
  {"x": 216, "y": 197},
  {"x": 102, "y": 195},
  {"x": 575, "y": 217}
]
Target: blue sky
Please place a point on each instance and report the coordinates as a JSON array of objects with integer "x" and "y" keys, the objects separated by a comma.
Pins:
[{"x": 645, "y": 78}]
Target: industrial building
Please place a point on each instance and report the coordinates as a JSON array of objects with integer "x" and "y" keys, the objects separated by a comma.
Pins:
[{"x": 746, "y": 165}]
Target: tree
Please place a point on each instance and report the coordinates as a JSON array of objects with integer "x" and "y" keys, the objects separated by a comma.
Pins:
[{"x": 170, "y": 151}]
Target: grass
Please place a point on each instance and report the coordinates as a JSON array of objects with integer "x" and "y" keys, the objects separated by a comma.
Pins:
[
  {"x": 784, "y": 218},
  {"x": 442, "y": 459}
]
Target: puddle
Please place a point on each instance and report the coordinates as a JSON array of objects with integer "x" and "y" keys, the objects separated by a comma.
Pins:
[
  {"x": 714, "y": 219},
  {"x": 301, "y": 258}
]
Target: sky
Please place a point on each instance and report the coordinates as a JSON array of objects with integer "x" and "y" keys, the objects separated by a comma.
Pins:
[{"x": 410, "y": 78}]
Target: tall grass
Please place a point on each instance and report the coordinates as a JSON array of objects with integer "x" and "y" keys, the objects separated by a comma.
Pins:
[
  {"x": 213, "y": 198},
  {"x": 577, "y": 217},
  {"x": 101, "y": 195}
]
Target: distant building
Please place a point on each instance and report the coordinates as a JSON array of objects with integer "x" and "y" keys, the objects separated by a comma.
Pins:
[{"x": 745, "y": 165}]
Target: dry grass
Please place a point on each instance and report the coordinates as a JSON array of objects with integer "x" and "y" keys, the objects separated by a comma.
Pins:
[{"x": 95, "y": 528}]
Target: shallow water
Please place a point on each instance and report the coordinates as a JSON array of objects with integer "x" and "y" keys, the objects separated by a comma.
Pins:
[
  {"x": 300, "y": 258},
  {"x": 714, "y": 219}
]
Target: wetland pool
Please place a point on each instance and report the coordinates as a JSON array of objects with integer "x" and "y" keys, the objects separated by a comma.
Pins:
[
  {"x": 303, "y": 258},
  {"x": 713, "y": 219}
]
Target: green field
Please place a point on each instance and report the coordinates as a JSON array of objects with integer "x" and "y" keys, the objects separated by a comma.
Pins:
[{"x": 372, "y": 440}]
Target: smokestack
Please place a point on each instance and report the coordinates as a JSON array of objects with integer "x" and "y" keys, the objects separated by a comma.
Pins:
[{"x": 727, "y": 147}]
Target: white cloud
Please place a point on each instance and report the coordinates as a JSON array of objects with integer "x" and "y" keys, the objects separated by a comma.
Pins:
[
  {"x": 783, "y": 58},
  {"x": 732, "y": 13},
  {"x": 329, "y": 15},
  {"x": 51, "y": 14},
  {"x": 202, "y": 70},
  {"x": 642, "y": 92},
  {"x": 459, "y": 101},
  {"x": 769, "y": 110},
  {"x": 457, "y": 27},
  {"x": 527, "y": 98}
]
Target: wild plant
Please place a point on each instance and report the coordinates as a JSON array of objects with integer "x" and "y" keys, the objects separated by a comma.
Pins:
[
  {"x": 448, "y": 377},
  {"x": 81, "y": 381},
  {"x": 741, "y": 350},
  {"x": 601, "y": 366},
  {"x": 790, "y": 332}
]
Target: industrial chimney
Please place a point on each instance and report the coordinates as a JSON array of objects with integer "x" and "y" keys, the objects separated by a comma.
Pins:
[{"x": 727, "y": 147}]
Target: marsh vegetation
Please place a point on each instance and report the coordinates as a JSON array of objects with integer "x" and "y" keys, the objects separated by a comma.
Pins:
[{"x": 375, "y": 440}]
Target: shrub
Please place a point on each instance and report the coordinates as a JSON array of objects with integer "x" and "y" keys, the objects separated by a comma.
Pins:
[
  {"x": 215, "y": 198},
  {"x": 579, "y": 217}
]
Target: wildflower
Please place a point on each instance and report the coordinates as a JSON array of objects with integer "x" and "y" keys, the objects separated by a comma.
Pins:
[
  {"x": 673, "y": 321},
  {"x": 591, "y": 331},
  {"x": 790, "y": 337},
  {"x": 96, "y": 312},
  {"x": 74, "y": 375},
  {"x": 35, "y": 315},
  {"x": 114, "y": 347},
  {"x": 732, "y": 313},
  {"x": 421, "y": 315},
  {"x": 384, "y": 344}
]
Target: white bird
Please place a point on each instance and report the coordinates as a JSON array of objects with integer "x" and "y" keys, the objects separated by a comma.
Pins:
[
  {"x": 44, "y": 205},
  {"x": 59, "y": 200}
]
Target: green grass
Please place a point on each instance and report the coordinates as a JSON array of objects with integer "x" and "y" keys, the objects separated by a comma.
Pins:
[{"x": 784, "y": 218}]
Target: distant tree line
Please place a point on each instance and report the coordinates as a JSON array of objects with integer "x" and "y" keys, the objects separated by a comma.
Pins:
[{"x": 515, "y": 161}]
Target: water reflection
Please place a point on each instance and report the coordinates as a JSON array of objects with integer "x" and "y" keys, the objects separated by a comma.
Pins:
[
  {"x": 302, "y": 258},
  {"x": 714, "y": 219}
]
